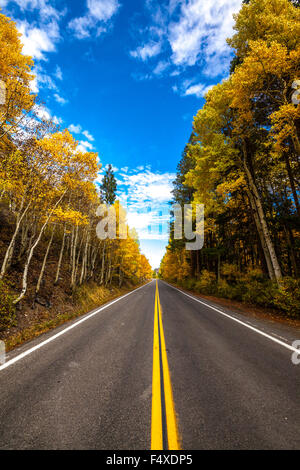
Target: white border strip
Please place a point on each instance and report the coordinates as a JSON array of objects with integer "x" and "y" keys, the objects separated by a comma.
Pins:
[
  {"x": 65, "y": 330},
  {"x": 282, "y": 343}
]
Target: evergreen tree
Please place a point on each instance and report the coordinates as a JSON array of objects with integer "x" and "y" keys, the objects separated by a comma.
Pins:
[
  {"x": 109, "y": 186},
  {"x": 182, "y": 194}
]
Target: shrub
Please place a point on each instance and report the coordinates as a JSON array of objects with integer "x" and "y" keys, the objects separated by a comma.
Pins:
[
  {"x": 207, "y": 283},
  {"x": 7, "y": 307},
  {"x": 224, "y": 289},
  {"x": 259, "y": 292},
  {"x": 189, "y": 284},
  {"x": 230, "y": 272},
  {"x": 251, "y": 287},
  {"x": 255, "y": 274},
  {"x": 237, "y": 291},
  {"x": 287, "y": 297}
]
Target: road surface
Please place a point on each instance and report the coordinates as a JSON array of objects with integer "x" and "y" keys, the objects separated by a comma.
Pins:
[{"x": 154, "y": 369}]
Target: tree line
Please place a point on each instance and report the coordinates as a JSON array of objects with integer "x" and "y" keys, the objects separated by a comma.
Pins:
[
  {"x": 49, "y": 196},
  {"x": 242, "y": 163}
]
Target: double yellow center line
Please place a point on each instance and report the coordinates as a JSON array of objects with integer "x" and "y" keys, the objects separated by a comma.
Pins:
[{"x": 164, "y": 433}]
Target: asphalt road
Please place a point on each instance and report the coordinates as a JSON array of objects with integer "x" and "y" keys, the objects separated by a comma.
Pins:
[{"x": 195, "y": 377}]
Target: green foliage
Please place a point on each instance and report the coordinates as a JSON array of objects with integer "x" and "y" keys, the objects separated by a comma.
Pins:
[
  {"x": 230, "y": 272},
  {"x": 287, "y": 297},
  {"x": 7, "y": 308},
  {"x": 109, "y": 186},
  {"x": 189, "y": 284},
  {"x": 207, "y": 283},
  {"x": 224, "y": 289},
  {"x": 251, "y": 287},
  {"x": 259, "y": 292},
  {"x": 182, "y": 194},
  {"x": 242, "y": 164}
]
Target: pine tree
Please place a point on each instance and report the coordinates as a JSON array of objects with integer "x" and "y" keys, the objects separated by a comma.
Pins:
[
  {"x": 109, "y": 186},
  {"x": 182, "y": 194}
]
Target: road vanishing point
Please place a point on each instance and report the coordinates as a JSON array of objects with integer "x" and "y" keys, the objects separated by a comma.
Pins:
[{"x": 156, "y": 369}]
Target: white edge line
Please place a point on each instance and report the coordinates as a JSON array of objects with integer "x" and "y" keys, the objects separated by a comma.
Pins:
[
  {"x": 65, "y": 330},
  {"x": 282, "y": 343}
]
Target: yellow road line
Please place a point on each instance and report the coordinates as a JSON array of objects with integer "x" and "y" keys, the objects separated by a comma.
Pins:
[
  {"x": 173, "y": 438},
  {"x": 156, "y": 417},
  {"x": 156, "y": 423}
]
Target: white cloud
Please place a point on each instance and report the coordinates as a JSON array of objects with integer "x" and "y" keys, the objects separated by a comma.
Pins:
[
  {"x": 57, "y": 120},
  {"x": 46, "y": 10},
  {"x": 102, "y": 10},
  {"x": 189, "y": 88},
  {"x": 115, "y": 169},
  {"x": 41, "y": 35},
  {"x": 85, "y": 146},
  {"x": 201, "y": 30},
  {"x": 37, "y": 41},
  {"x": 81, "y": 26},
  {"x": 58, "y": 73},
  {"x": 76, "y": 129},
  {"x": 88, "y": 136},
  {"x": 147, "y": 51},
  {"x": 34, "y": 86},
  {"x": 60, "y": 99},
  {"x": 154, "y": 250},
  {"x": 41, "y": 80},
  {"x": 193, "y": 31},
  {"x": 199, "y": 90},
  {"x": 38, "y": 37},
  {"x": 145, "y": 194},
  {"x": 161, "y": 67},
  {"x": 98, "y": 16},
  {"x": 43, "y": 113}
]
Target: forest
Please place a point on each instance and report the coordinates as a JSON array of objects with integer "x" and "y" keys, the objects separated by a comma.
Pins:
[
  {"x": 242, "y": 163},
  {"x": 49, "y": 247}
]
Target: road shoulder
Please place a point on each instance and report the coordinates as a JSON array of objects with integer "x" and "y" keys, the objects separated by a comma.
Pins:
[{"x": 282, "y": 328}]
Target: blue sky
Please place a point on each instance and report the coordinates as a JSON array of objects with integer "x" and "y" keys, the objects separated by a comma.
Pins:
[{"x": 127, "y": 77}]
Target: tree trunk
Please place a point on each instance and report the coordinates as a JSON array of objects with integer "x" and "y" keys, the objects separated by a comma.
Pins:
[
  {"x": 84, "y": 259},
  {"x": 292, "y": 182},
  {"x": 108, "y": 273},
  {"x": 31, "y": 251},
  {"x": 37, "y": 289},
  {"x": 93, "y": 261},
  {"x": 60, "y": 257},
  {"x": 291, "y": 250},
  {"x": 103, "y": 264},
  {"x": 10, "y": 248},
  {"x": 261, "y": 236},
  {"x": 24, "y": 239},
  {"x": 260, "y": 213},
  {"x": 77, "y": 261},
  {"x": 73, "y": 256},
  {"x": 120, "y": 276}
]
